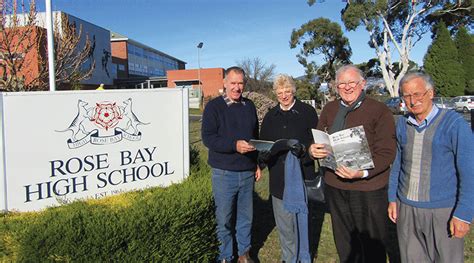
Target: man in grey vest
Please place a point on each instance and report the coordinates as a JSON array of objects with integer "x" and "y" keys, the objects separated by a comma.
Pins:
[{"x": 431, "y": 188}]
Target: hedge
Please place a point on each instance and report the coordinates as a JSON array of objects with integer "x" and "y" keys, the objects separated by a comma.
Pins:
[{"x": 174, "y": 224}]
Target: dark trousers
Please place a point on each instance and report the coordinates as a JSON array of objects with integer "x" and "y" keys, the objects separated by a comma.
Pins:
[{"x": 360, "y": 224}]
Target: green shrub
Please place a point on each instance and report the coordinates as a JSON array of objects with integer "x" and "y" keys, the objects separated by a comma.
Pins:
[
  {"x": 194, "y": 157},
  {"x": 158, "y": 224}
]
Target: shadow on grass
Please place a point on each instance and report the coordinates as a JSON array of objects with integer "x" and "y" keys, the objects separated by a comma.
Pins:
[
  {"x": 393, "y": 250},
  {"x": 317, "y": 211},
  {"x": 263, "y": 224}
]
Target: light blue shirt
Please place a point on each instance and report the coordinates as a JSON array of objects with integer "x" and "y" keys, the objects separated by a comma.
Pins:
[{"x": 411, "y": 119}]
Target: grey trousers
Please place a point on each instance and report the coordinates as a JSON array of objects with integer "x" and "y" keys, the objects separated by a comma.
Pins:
[
  {"x": 286, "y": 225},
  {"x": 423, "y": 235}
]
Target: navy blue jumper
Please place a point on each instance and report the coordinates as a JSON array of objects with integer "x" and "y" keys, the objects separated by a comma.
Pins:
[{"x": 222, "y": 126}]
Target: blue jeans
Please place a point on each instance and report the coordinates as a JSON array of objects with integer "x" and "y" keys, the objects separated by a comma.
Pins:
[
  {"x": 287, "y": 230},
  {"x": 229, "y": 188}
]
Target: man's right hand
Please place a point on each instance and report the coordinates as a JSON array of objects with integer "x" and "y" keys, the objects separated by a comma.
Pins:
[
  {"x": 318, "y": 151},
  {"x": 244, "y": 147},
  {"x": 458, "y": 228},
  {"x": 392, "y": 211}
]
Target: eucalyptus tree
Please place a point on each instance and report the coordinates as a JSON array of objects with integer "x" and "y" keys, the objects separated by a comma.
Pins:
[
  {"x": 454, "y": 14},
  {"x": 394, "y": 27},
  {"x": 322, "y": 37}
]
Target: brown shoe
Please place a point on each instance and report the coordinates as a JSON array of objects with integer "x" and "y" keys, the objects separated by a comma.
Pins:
[{"x": 245, "y": 258}]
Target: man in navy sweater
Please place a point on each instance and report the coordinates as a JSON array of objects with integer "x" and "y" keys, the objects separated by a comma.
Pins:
[
  {"x": 431, "y": 188},
  {"x": 228, "y": 123}
]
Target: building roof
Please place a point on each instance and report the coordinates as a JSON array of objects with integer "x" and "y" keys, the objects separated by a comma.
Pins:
[
  {"x": 116, "y": 37},
  {"x": 186, "y": 82}
]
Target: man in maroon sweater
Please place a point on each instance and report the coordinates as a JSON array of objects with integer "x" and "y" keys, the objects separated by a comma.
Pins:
[{"x": 358, "y": 199}]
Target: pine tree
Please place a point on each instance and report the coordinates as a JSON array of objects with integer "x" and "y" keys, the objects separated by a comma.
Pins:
[
  {"x": 442, "y": 64},
  {"x": 465, "y": 45}
]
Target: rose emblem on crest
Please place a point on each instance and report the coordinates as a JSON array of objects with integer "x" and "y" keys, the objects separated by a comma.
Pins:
[{"x": 106, "y": 115}]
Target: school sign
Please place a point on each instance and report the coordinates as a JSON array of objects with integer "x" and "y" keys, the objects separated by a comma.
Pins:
[{"x": 62, "y": 146}]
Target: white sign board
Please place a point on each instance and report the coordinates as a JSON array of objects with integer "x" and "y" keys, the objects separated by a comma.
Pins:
[{"x": 64, "y": 146}]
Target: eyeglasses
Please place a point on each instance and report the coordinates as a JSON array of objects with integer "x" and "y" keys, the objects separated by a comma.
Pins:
[
  {"x": 416, "y": 96},
  {"x": 350, "y": 84}
]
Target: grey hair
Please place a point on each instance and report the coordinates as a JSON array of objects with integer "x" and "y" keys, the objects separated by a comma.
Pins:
[
  {"x": 429, "y": 84},
  {"x": 345, "y": 68},
  {"x": 283, "y": 81},
  {"x": 235, "y": 69}
]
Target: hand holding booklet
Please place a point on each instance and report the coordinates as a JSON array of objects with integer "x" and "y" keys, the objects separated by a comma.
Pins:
[
  {"x": 262, "y": 145},
  {"x": 276, "y": 146},
  {"x": 347, "y": 148}
]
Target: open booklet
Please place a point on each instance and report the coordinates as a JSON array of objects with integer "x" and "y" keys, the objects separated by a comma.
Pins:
[
  {"x": 262, "y": 145},
  {"x": 348, "y": 147}
]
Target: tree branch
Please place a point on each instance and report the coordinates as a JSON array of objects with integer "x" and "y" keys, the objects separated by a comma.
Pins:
[{"x": 454, "y": 10}]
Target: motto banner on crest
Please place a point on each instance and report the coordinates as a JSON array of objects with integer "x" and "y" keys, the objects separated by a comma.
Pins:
[{"x": 62, "y": 146}]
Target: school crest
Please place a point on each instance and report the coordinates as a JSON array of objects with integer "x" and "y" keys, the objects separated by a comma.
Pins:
[{"x": 106, "y": 122}]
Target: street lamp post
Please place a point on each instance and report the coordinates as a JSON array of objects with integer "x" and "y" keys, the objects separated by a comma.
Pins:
[{"x": 199, "y": 46}]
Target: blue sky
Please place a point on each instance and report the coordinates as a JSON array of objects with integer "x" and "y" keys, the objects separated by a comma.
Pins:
[{"x": 230, "y": 30}]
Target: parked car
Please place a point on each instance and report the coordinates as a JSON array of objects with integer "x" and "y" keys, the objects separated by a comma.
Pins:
[
  {"x": 444, "y": 102},
  {"x": 464, "y": 103},
  {"x": 396, "y": 105}
]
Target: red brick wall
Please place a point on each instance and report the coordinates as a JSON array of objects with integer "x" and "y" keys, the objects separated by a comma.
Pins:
[
  {"x": 31, "y": 60},
  {"x": 120, "y": 57},
  {"x": 119, "y": 49},
  {"x": 211, "y": 79}
]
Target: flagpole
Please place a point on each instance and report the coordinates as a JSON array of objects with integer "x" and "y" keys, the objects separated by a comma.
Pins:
[{"x": 49, "y": 29}]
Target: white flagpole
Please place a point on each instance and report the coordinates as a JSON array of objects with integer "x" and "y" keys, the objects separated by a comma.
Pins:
[{"x": 49, "y": 29}]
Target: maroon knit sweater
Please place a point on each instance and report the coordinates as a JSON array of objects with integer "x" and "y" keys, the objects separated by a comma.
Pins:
[{"x": 379, "y": 128}]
